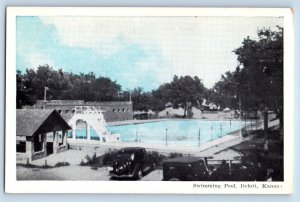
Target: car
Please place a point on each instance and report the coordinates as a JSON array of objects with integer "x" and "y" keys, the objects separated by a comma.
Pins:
[
  {"x": 132, "y": 162},
  {"x": 185, "y": 168}
]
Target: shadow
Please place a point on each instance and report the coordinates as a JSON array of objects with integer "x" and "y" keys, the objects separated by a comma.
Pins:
[{"x": 37, "y": 167}]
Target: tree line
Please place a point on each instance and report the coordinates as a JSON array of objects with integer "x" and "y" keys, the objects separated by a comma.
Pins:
[{"x": 256, "y": 83}]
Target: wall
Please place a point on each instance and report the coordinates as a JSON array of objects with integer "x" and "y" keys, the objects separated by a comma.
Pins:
[
  {"x": 22, "y": 157},
  {"x": 63, "y": 147},
  {"x": 30, "y": 155},
  {"x": 39, "y": 154},
  {"x": 112, "y": 111}
]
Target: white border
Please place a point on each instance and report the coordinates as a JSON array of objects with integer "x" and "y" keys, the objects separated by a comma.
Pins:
[{"x": 14, "y": 186}]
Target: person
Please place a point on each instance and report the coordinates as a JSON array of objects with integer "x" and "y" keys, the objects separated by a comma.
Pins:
[{"x": 224, "y": 171}]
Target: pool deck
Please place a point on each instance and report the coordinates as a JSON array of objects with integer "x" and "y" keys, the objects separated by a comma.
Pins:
[
  {"x": 206, "y": 149},
  {"x": 135, "y": 121}
]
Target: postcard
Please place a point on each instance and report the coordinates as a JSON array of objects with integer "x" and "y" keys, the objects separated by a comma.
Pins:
[{"x": 149, "y": 100}]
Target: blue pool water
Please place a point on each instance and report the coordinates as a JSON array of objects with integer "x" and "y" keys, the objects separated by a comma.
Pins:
[{"x": 177, "y": 132}]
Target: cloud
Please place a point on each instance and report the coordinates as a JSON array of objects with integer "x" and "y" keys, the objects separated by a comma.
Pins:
[
  {"x": 35, "y": 60},
  {"x": 196, "y": 46}
]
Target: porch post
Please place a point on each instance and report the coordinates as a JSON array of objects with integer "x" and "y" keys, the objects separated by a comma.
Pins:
[
  {"x": 45, "y": 142},
  {"x": 88, "y": 128},
  {"x": 74, "y": 131},
  {"x": 64, "y": 137},
  {"x": 29, "y": 148},
  {"x": 54, "y": 143}
]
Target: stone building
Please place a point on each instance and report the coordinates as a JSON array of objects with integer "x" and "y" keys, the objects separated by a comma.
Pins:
[
  {"x": 40, "y": 132},
  {"x": 112, "y": 111}
]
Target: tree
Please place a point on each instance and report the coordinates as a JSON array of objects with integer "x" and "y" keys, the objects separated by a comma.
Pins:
[
  {"x": 225, "y": 92},
  {"x": 185, "y": 91},
  {"x": 63, "y": 85},
  {"x": 24, "y": 91},
  {"x": 262, "y": 72},
  {"x": 258, "y": 80}
]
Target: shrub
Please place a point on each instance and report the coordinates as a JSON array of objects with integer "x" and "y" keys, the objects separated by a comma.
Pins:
[
  {"x": 88, "y": 159},
  {"x": 82, "y": 163},
  {"x": 60, "y": 164},
  {"x": 109, "y": 157},
  {"x": 157, "y": 157},
  {"x": 175, "y": 154}
]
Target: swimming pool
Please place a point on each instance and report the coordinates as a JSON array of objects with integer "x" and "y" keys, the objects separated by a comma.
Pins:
[{"x": 171, "y": 132}]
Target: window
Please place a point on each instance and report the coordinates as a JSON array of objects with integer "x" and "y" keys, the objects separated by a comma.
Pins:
[
  {"x": 59, "y": 111},
  {"x": 69, "y": 134},
  {"x": 38, "y": 141},
  {"x": 21, "y": 146},
  {"x": 59, "y": 137},
  {"x": 114, "y": 110},
  {"x": 123, "y": 109},
  {"x": 67, "y": 111}
]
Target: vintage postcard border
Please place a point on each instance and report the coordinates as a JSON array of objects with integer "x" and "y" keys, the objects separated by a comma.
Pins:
[{"x": 14, "y": 186}]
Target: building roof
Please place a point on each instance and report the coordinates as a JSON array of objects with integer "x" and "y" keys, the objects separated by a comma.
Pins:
[{"x": 31, "y": 121}]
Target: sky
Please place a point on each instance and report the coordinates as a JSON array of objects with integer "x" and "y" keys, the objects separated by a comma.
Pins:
[{"x": 136, "y": 51}]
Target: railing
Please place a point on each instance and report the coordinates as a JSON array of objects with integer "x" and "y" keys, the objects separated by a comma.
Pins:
[{"x": 87, "y": 110}]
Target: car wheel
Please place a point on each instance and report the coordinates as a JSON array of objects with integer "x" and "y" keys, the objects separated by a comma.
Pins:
[
  {"x": 139, "y": 174},
  {"x": 153, "y": 166}
]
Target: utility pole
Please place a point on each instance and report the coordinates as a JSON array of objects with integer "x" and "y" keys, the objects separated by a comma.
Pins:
[
  {"x": 45, "y": 96},
  {"x": 45, "y": 93},
  {"x": 166, "y": 137},
  {"x": 199, "y": 138}
]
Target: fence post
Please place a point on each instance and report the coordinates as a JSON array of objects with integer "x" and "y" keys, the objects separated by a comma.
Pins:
[
  {"x": 166, "y": 137},
  {"x": 221, "y": 129},
  {"x": 230, "y": 165},
  {"x": 211, "y": 137},
  {"x": 199, "y": 138}
]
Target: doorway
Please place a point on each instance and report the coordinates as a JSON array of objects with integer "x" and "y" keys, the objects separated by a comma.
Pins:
[
  {"x": 49, "y": 143},
  {"x": 49, "y": 148}
]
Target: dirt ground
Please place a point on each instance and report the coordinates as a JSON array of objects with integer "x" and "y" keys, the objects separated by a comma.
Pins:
[{"x": 74, "y": 172}]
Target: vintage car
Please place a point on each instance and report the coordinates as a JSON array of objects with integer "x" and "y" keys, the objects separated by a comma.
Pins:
[
  {"x": 132, "y": 162},
  {"x": 186, "y": 169}
]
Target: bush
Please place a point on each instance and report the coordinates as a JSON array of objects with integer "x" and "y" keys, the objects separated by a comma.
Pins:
[
  {"x": 88, "y": 159},
  {"x": 175, "y": 154},
  {"x": 157, "y": 157},
  {"x": 60, "y": 164},
  {"x": 109, "y": 157},
  {"x": 91, "y": 161},
  {"x": 82, "y": 163}
]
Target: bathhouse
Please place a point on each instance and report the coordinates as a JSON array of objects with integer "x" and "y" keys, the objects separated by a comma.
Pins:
[{"x": 40, "y": 132}]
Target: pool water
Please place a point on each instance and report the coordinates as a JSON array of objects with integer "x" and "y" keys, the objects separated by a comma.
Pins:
[{"x": 171, "y": 132}]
